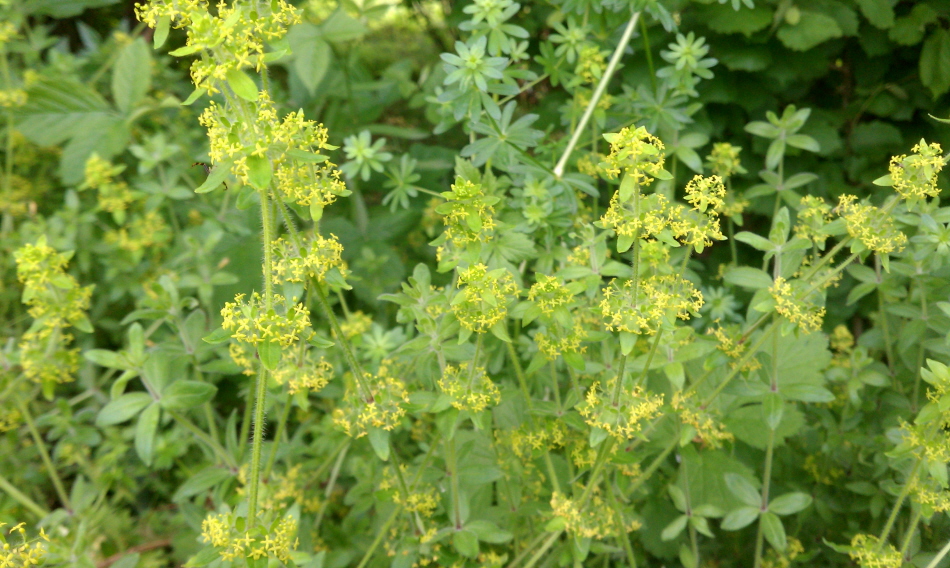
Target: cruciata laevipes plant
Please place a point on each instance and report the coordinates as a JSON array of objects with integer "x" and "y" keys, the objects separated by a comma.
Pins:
[
  {"x": 570, "y": 359},
  {"x": 613, "y": 425}
]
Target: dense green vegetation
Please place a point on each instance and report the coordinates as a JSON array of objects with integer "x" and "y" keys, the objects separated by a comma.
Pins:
[{"x": 557, "y": 283}]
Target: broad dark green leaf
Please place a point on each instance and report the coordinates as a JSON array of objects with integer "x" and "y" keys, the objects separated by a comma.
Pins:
[{"x": 123, "y": 408}]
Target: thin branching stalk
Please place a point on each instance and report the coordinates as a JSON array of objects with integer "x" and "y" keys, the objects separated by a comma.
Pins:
[{"x": 44, "y": 453}]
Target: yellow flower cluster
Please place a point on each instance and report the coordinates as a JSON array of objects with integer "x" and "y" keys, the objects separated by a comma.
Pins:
[
  {"x": 733, "y": 205},
  {"x": 310, "y": 184},
  {"x": 621, "y": 420},
  {"x": 219, "y": 530},
  {"x": 634, "y": 152},
  {"x": 251, "y": 322},
  {"x": 526, "y": 441},
  {"x": 357, "y": 323},
  {"x": 243, "y": 355},
  {"x": 873, "y": 227},
  {"x": 423, "y": 501},
  {"x": 591, "y": 63},
  {"x": 915, "y": 176},
  {"x": 807, "y": 316},
  {"x": 482, "y": 300},
  {"x": 934, "y": 500},
  {"x": 27, "y": 553},
  {"x": 470, "y": 389},
  {"x": 467, "y": 216},
  {"x": 55, "y": 302},
  {"x": 8, "y": 32},
  {"x": 597, "y": 520},
  {"x": 384, "y": 409},
  {"x": 731, "y": 343},
  {"x": 12, "y": 98},
  {"x": 549, "y": 293},
  {"x": 841, "y": 339},
  {"x": 552, "y": 342},
  {"x": 935, "y": 448},
  {"x": 317, "y": 255},
  {"x": 783, "y": 558},
  {"x": 100, "y": 175},
  {"x": 724, "y": 160},
  {"x": 708, "y": 431},
  {"x": 588, "y": 164},
  {"x": 9, "y": 419},
  {"x": 235, "y": 35},
  {"x": 705, "y": 193},
  {"x": 824, "y": 474},
  {"x": 303, "y": 373},
  {"x": 651, "y": 219},
  {"x": 660, "y": 300},
  {"x": 864, "y": 551},
  {"x": 21, "y": 195},
  {"x": 813, "y": 217},
  {"x": 694, "y": 228},
  {"x": 143, "y": 232}
]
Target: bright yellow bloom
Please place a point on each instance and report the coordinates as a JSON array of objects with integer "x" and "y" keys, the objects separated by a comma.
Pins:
[
  {"x": 483, "y": 297},
  {"x": 873, "y": 227},
  {"x": 471, "y": 390},
  {"x": 795, "y": 309},
  {"x": 634, "y": 152}
]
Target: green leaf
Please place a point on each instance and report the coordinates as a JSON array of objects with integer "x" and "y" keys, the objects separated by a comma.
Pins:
[
  {"x": 379, "y": 440},
  {"x": 107, "y": 359},
  {"x": 217, "y": 336},
  {"x": 811, "y": 29},
  {"x": 804, "y": 142},
  {"x": 312, "y": 54},
  {"x": 465, "y": 543},
  {"x": 748, "y": 277},
  {"x": 145, "y": 431},
  {"x": 773, "y": 408},
  {"x": 500, "y": 330},
  {"x": 674, "y": 529},
  {"x": 747, "y": 424},
  {"x": 128, "y": 561},
  {"x": 879, "y": 12},
  {"x": 744, "y": 490},
  {"x": 182, "y": 395},
  {"x": 202, "y": 481},
  {"x": 132, "y": 75},
  {"x": 935, "y": 62},
  {"x": 756, "y": 241},
  {"x": 790, "y": 503},
  {"x": 217, "y": 176},
  {"x": 487, "y": 531},
  {"x": 774, "y": 531},
  {"x": 305, "y": 156},
  {"x": 269, "y": 353},
  {"x": 186, "y": 50},
  {"x": 723, "y": 19},
  {"x": 161, "y": 31},
  {"x": 123, "y": 408},
  {"x": 259, "y": 171},
  {"x": 739, "y": 518},
  {"x": 340, "y": 27},
  {"x": 242, "y": 84}
]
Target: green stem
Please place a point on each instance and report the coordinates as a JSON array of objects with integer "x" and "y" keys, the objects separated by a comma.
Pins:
[
  {"x": 22, "y": 498},
  {"x": 618, "y": 386},
  {"x": 331, "y": 484},
  {"x": 624, "y": 536},
  {"x": 452, "y": 471},
  {"x": 909, "y": 535},
  {"x": 544, "y": 548},
  {"x": 281, "y": 426},
  {"x": 897, "y": 506},
  {"x": 654, "y": 465},
  {"x": 649, "y": 53},
  {"x": 348, "y": 354},
  {"x": 256, "y": 446},
  {"x": 598, "y": 92},
  {"x": 936, "y": 559},
  {"x": 44, "y": 453},
  {"x": 766, "y": 478}
]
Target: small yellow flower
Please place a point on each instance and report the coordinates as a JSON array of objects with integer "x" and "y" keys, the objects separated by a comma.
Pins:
[
  {"x": 634, "y": 152},
  {"x": 483, "y": 297},
  {"x": 874, "y": 228},
  {"x": 794, "y": 308},
  {"x": 471, "y": 390},
  {"x": 868, "y": 553},
  {"x": 915, "y": 176},
  {"x": 724, "y": 160}
]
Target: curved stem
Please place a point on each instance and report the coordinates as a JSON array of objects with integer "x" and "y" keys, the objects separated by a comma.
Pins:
[
  {"x": 22, "y": 498},
  {"x": 897, "y": 506}
]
